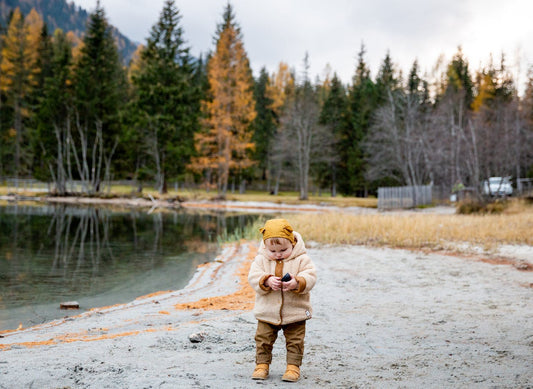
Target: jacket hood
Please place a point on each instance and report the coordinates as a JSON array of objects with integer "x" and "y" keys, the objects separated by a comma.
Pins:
[{"x": 297, "y": 250}]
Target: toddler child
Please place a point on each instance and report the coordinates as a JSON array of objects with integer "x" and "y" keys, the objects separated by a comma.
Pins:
[{"x": 281, "y": 303}]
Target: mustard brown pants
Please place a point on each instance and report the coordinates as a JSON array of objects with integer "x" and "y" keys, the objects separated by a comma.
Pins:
[{"x": 266, "y": 336}]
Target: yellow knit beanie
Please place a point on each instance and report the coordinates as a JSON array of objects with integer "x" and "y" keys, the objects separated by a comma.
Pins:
[{"x": 278, "y": 228}]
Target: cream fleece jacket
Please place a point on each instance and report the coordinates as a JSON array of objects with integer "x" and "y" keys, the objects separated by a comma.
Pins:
[{"x": 278, "y": 307}]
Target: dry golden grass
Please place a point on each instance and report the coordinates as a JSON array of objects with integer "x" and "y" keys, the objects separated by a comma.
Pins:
[{"x": 419, "y": 230}]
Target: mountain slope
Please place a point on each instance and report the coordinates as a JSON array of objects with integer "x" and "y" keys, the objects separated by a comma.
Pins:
[{"x": 64, "y": 15}]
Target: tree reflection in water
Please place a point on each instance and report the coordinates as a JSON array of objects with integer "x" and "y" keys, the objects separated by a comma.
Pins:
[{"x": 99, "y": 257}]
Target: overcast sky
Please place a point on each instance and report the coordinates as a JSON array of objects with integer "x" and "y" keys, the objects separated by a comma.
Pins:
[{"x": 332, "y": 31}]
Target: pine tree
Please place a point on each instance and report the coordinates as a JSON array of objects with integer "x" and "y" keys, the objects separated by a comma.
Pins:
[
  {"x": 44, "y": 60},
  {"x": 387, "y": 80},
  {"x": 492, "y": 84},
  {"x": 417, "y": 87},
  {"x": 264, "y": 126},
  {"x": 54, "y": 115},
  {"x": 226, "y": 143},
  {"x": 459, "y": 80},
  {"x": 45, "y": 55},
  {"x": 167, "y": 97},
  {"x": 362, "y": 100},
  {"x": 99, "y": 95},
  {"x": 333, "y": 115}
]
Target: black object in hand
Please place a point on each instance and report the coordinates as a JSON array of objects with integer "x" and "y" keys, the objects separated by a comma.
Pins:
[{"x": 286, "y": 277}]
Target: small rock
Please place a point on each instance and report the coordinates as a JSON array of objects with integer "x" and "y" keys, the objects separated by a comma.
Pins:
[
  {"x": 523, "y": 265},
  {"x": 197, "y": 337},
  {"x": 69, "y": 305}
]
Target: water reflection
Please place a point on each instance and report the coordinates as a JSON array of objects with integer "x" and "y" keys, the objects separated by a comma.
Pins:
[{"x": 98, "y": 257}]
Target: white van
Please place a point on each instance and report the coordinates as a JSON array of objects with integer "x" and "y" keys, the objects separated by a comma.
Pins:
[{"x": 497, "y": 186}]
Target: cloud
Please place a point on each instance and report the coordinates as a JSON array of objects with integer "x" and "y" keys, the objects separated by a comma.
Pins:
[{"x": 332, "y": 31}]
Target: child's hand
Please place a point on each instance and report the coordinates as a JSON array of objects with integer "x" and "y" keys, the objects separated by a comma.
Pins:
[
  {"x": 290, "y": 285},
  {"x": 274, "y": 283}
]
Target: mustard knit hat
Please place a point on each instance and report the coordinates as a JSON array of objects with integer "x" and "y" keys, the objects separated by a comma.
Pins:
[{"x": 278, "y": 228}]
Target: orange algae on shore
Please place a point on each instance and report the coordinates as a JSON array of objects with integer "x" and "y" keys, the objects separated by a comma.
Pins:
[
  {"x": 155, "y": 294},
  {"x": 10, "y": 331},
  {"x": 68, "y": 338},
  {"x": 242, "y": 299}
]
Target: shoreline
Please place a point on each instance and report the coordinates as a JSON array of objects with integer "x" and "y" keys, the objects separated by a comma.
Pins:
[
  {"x": 215, "y": 205},
  {"x": 203, "y": 285},
  {"x": 383, "y": 318}
]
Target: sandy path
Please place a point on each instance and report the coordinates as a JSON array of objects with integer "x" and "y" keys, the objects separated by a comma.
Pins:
[{"x": 383, "y": 318}]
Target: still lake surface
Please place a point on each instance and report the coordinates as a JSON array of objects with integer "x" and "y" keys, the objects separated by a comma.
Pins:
[{"x": 97, "y": 257}]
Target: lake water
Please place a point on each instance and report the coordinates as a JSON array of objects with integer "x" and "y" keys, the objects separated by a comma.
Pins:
[{"x": 97, "y": 257}]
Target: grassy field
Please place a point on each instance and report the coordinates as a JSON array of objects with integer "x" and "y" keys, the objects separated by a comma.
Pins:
[{"x": 417, "y": 230}]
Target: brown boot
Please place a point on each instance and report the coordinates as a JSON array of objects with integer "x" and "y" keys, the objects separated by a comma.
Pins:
[
  {"x": 292, "y": 374},
  {"x": 260, "y": 372}
]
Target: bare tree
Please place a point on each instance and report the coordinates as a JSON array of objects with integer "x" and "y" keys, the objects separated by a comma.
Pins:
[
  {"x": 504, "y": 146},
  {"x": 90, "y": 157},
  {"x": 397, "y": 144},
  {"x": 459, "y": 138},
  {"x": 447, "y": 138},
  {"x": 59, "y": 165},
  {"x": 282, "y": 159},
  {"x": 304, "y": 139}
]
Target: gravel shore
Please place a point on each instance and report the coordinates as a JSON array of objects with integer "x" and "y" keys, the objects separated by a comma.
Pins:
[{"x": 382, "y": 318}]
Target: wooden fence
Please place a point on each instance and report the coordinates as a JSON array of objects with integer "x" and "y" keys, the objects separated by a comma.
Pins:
[
  {"x": 524, "y": 187},
  {"x": 32, "y": 185},
  {"x": 404, "y": 196},
  {"x": 15, "y": 185},
  {"x": 28, "y": 185}
]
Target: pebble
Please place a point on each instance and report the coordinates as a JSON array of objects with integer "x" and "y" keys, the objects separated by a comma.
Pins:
[{"x": 197, "y": 337}]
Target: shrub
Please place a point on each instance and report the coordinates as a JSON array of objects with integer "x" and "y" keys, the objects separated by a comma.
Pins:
[
  {"x": 470, "y": 206},
  {"x": 475, "y": 206}
]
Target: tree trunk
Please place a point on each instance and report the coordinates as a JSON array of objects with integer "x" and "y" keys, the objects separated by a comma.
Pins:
[
  {"x": 60, "y": 176},
  {"x": 18, "y": 138},
  {"x": 333, "y": 180}
]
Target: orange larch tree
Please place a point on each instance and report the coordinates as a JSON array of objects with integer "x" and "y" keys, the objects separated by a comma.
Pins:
[
  {"x": 280, "y": 87},
  {"x": 280, "y": 90},
  {"x": 225, "y": 143},
  {"x": 18, "y": 73}
]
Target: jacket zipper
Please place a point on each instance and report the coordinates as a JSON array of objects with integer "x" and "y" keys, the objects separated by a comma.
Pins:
[{"x": 282, "y": 298}]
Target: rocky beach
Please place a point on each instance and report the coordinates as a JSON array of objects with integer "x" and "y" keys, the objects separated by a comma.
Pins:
[{"x": 382, "y": 318}]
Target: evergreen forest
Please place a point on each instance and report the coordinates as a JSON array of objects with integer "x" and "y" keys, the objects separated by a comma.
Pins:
[{"x": 71, "y": 110}]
